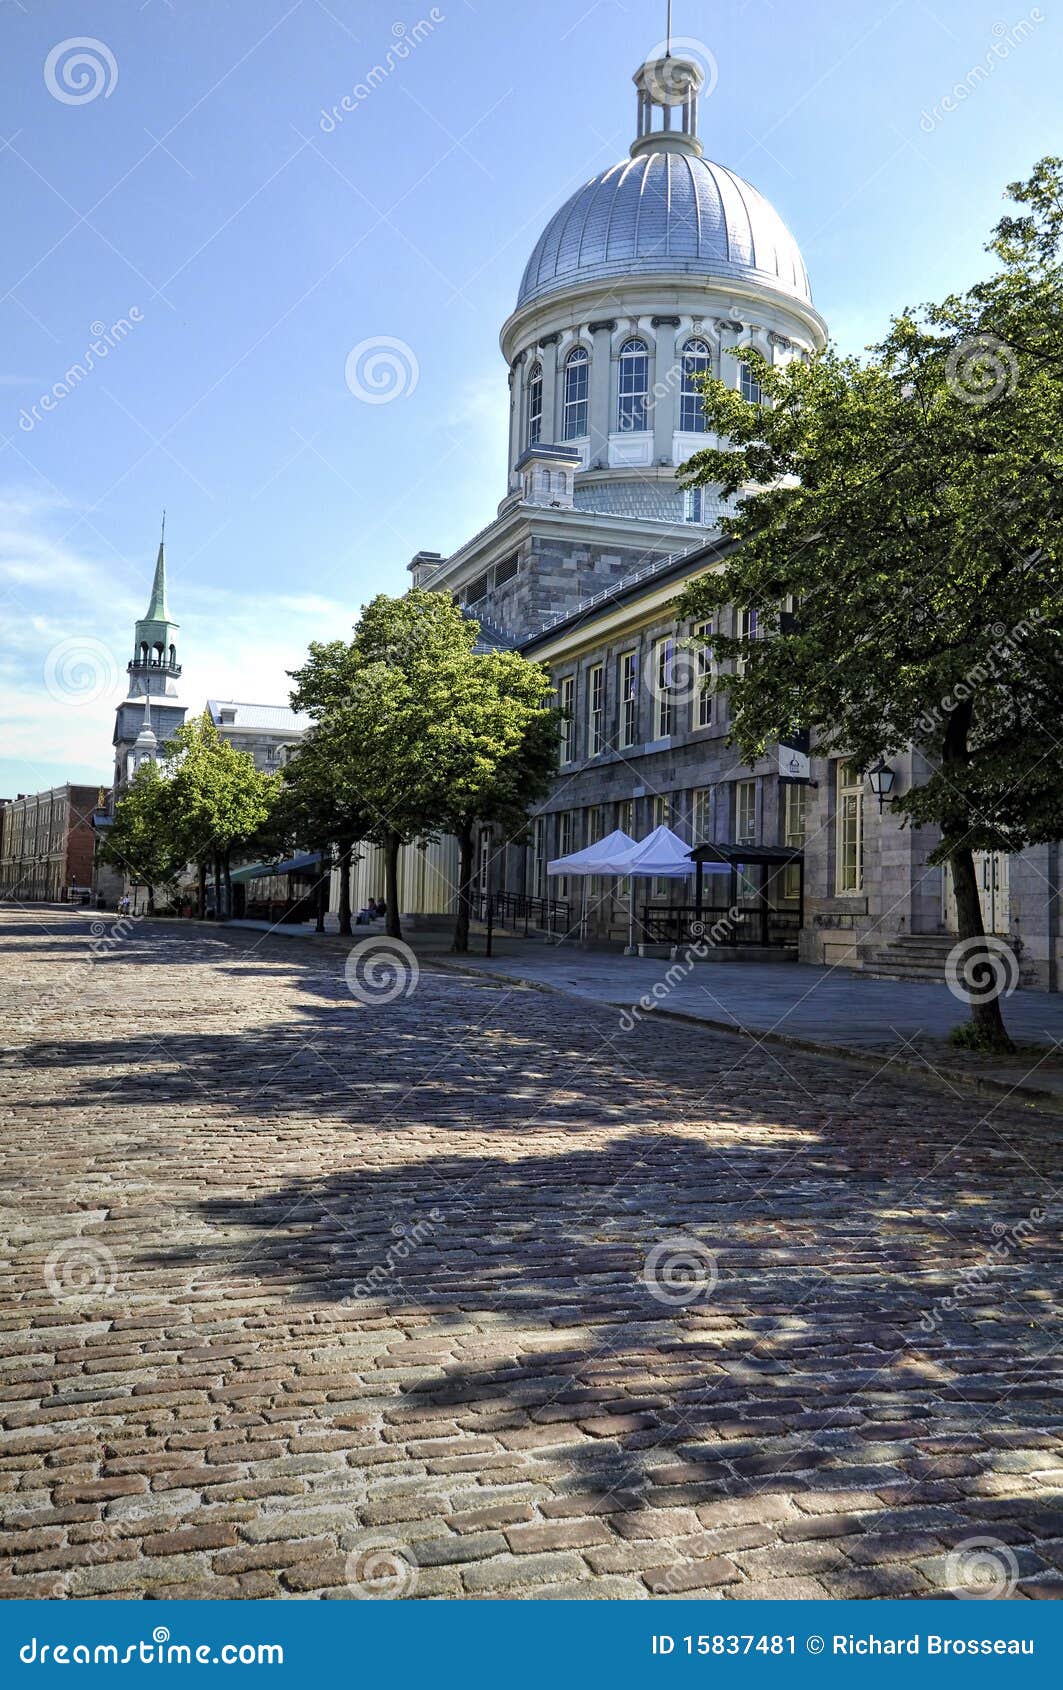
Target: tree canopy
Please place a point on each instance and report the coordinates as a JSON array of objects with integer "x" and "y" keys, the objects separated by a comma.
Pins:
[{"x": 899, "y": 527}]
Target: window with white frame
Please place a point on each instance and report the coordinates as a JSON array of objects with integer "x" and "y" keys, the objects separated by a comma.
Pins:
[
  {"x": 749, "y": 386},
  {"x": 594, "y": 825},
  {"x": 661, "y": 814},
  {"x": 849, "y": 836},
  {"x": 628, "y": 690},
  {"x": 701, "y": 713},
  {"x": 633, "y": 387},
  {"x": 701, "y": 814},
  {"x": 564, "y": 846},
  {"x": 577, "y": 372},
  {"x": 566, "y": 694},
  {"x": 535, "y": 405},
  {"x": 745, "y": 812},
  {"x": 625, "y": 816},
  {"x": 794, "y": 828},
  {"x": 695, "y": 505},
  {"x": 747, "y": 630},
  {"x": 697, "y": 362},
  {"x": 595, "y": 710},
  {"x": 663, "y": 680},
  {"x": 537, "y": 858}
]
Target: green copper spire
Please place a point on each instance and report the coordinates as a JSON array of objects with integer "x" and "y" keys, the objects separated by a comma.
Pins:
[
  {"x": 155, "y": 641},
  {"x": 157, "y": 609}
]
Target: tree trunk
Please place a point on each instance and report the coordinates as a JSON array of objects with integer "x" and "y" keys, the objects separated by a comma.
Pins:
[
  {"x": 151, "y": 899},
  {"x": 217, "y": 885},
  {"x": 978, "y": 973},
  {"x": 345, "y": 888},
  {"x": 465, "y": 874},
  {"x": 201, "y": 895},
  {"x": 322, "y": 893},
  {"x": 392, "y": 924},
  {"x": 228, "y": 869}
]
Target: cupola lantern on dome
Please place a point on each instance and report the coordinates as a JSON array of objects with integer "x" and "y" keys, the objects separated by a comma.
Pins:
[{"x": 668, "y": 90}]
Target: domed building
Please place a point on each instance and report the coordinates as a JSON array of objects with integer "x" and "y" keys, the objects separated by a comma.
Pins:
[{"x": 650, "y": 275}]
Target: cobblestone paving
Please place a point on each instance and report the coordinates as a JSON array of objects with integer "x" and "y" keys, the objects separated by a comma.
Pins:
[{"x": 471, "y": 1294}]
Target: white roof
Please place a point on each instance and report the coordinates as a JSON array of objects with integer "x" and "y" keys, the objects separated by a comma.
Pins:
[{"x": 597, "y": 858}]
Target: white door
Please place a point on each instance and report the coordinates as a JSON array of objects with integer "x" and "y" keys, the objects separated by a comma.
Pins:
[{"x": 992, "y": 869}]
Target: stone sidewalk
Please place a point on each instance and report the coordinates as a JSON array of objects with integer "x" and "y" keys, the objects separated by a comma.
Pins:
[
  {"x": 833, "y": 1009},
  {"x": 439, "y": 1287}
]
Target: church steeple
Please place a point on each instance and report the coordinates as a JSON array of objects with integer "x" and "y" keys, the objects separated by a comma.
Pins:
[{"x": 154, "y": 664}]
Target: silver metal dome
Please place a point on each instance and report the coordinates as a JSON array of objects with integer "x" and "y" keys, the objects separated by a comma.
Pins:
[{"x": 665, "y": 211}]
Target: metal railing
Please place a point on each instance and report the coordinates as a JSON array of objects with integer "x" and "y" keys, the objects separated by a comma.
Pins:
[
  {"x": 519, "y": 911},
  {"x": 680, "y": 924}
]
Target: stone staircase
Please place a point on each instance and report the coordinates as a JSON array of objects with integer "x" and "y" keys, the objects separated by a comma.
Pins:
[
  {"x": 917, "y": 957},
  {"x": 911, "y": 956}
]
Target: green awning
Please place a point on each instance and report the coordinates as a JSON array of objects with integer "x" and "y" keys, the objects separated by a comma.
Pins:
[{"x": 253, "y": 871}]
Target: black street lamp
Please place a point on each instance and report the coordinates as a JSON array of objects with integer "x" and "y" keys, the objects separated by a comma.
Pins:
[{"x": 881, "y": 778}]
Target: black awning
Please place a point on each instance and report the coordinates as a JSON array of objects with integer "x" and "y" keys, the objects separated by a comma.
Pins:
[{"x": 777, "y": 855}]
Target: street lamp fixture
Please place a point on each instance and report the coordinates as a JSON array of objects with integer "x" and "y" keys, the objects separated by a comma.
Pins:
[{"x": 881, "y": 778}]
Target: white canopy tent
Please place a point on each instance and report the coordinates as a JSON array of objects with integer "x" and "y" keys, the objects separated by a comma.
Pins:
[{"x": 662, "y": 855}]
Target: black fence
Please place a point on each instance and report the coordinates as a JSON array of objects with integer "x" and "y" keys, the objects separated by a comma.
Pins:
[
  {"x": 522, "y": 913},
  {"x": 683, "y": 924}
]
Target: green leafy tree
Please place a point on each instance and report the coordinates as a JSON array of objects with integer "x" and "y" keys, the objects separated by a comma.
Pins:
[
  {"x": 319, "y": 810},
  {"x": 223, "y": 798},
  {"x": 501, "y": 757},
  {"x": 912, "y": 503},
  {"x": 147, "y": 839},
  {"x": 384, "y": 707}
]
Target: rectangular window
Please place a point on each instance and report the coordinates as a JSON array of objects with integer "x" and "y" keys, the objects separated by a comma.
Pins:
[
  {"x": 629, "y": 697},
  {"x": 849, "y": 846},
  {"x": 749, "y": 385},
  {"x": 661, "y": 818},
  {"x": 594, "y": 825},
  {"x": 596, "y": 710},
  {"x": 625, "y": 816},
  {"x": 566, "y": 694},
  {"x": 745, "y": 812},
  {"x": 702, "y": 712},
  {"x": 794, "y": 825},
  {"x": 564, "y": 846},
  {"x": 663, "y": 678},
  {"x": 700, "y": 814},
  {"x": 747, "y": 630},
  {"x": 536, "y": 861}
]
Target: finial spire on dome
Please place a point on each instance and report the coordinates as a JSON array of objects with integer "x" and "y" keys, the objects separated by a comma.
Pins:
[{"x": 668, "y": 85}]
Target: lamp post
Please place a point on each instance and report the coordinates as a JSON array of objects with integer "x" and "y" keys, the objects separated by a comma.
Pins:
[{"x": 881, "y": 778}]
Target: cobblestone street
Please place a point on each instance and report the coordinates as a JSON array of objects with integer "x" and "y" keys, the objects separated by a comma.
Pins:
[{"x": 472, "y": 1294}]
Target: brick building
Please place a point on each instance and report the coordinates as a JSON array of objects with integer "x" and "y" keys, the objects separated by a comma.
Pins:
[{"x": 46, "y": 844}]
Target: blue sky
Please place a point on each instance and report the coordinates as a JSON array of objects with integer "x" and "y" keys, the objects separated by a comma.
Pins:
[{"x": 249, "y": 242}]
